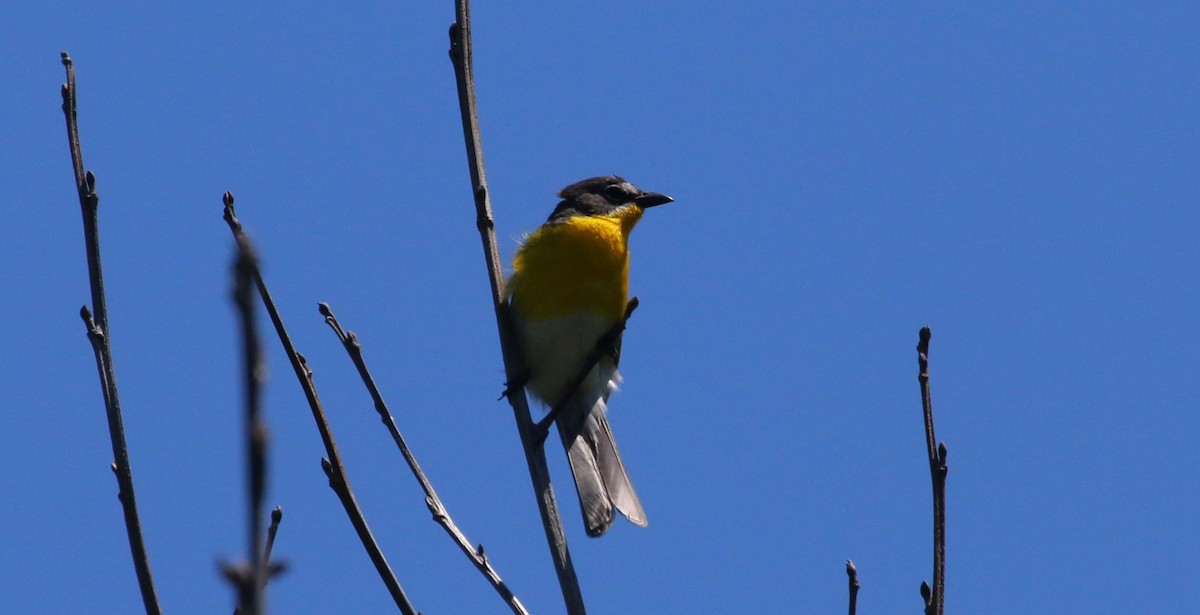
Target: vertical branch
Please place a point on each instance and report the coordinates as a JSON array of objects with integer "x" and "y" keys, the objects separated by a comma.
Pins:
[
  {"x": 332, "y": 466},
  {"x": 98, "y": 334},
  {"x": 535, "y": 458},
  {"x": 934, "y": 597},
  {"x": 250, "y": 578},
  {"x": 852, "y": 573},
  {"x": 252, "y": 585}
]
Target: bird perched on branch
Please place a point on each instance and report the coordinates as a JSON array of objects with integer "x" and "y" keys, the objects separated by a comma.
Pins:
[{"x": 568, "y": 290}]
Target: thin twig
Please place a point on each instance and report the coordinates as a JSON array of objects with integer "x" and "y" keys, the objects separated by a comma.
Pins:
[
  {"x": 239, "y": 575},
  {"x": 934, "y": 597},
  {"x": 272, "y": 568},
  {"x": 332, "y": 465},
  {"x": 852, "y": 572},
  {"x": 440, "y": 514},
  {"x": 535, "y": 458},
  {"x": 98, "y": 333}
]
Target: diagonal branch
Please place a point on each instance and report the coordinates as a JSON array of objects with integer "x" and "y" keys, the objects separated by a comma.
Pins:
[
  {"x": 535, "y": 458},
  {"x": 276, "y": 519},
  {"x": 935, "y": 596},
  {"x": 97, "y": 325},
  {"x": 442, "y": 516},
  {"x": 332, "y": 466}
]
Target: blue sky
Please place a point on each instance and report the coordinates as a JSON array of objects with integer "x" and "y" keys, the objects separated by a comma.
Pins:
[{"x": 1022, "y": 178}]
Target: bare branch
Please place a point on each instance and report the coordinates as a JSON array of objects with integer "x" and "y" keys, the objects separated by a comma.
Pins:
[
  {"x": 934, "y": 596},
  {"x": 332, "y": 465},
  {"x": 535, "y": 458},
  {"x": 98, "y": 334},
  {"x": 852, "y": 573},
  {"x": 250, "y": 579},
  {"x": 440, "y": 514},
  {"x": 276, "y": 519}
]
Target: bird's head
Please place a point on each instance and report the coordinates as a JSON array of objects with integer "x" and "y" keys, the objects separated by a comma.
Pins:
[{"x": 603, "y": 196}]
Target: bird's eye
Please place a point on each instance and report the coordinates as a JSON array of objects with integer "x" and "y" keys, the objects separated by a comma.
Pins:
[{"x": 615, "y": 192}]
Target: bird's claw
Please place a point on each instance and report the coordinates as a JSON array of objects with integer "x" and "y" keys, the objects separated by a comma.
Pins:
[
  {"x": 541, "y": 430},
  {"x": 513, "y": 386}
]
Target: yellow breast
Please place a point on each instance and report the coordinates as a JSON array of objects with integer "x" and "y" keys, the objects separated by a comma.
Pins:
[{"x": 578, "y": 264}]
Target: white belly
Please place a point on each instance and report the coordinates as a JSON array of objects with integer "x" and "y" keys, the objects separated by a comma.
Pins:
[{"x": 555, "y": 349}]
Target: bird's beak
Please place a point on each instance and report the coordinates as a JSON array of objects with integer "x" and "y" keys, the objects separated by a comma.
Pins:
[{"x": 650, "y": 199}]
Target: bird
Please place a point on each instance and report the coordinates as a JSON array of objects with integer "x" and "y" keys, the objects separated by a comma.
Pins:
[{"x": 568, "y": 290}]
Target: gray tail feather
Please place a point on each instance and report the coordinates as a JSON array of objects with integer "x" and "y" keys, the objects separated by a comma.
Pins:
[{"x": 600, "y": 477}]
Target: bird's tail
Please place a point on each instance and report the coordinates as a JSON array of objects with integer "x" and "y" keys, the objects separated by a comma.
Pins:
[{"x": 600, "y": 477}]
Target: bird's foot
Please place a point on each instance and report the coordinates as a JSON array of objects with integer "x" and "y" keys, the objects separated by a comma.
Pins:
[
  {"x": 514, "y": 386},
  {"x": 541, "y": 429}
]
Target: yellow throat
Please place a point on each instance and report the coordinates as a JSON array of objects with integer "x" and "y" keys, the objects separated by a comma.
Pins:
[{"x": 573, "y": 265}]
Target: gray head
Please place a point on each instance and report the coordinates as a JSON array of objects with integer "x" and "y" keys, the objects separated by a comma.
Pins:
[{"x": 598, "y": 196}]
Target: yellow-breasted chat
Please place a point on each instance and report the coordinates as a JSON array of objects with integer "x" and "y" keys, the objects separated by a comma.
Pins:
[{"x": 568, "y": 290}]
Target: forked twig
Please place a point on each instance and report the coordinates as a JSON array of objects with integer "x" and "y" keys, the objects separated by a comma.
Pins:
[
  {"x": 934, "y": 597},
  {"x": 476, "y": 554},
  {"x": 97, "y": 327},
  {"x": 332, "y": 465},
  {"x": 535, "y": 458}
]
